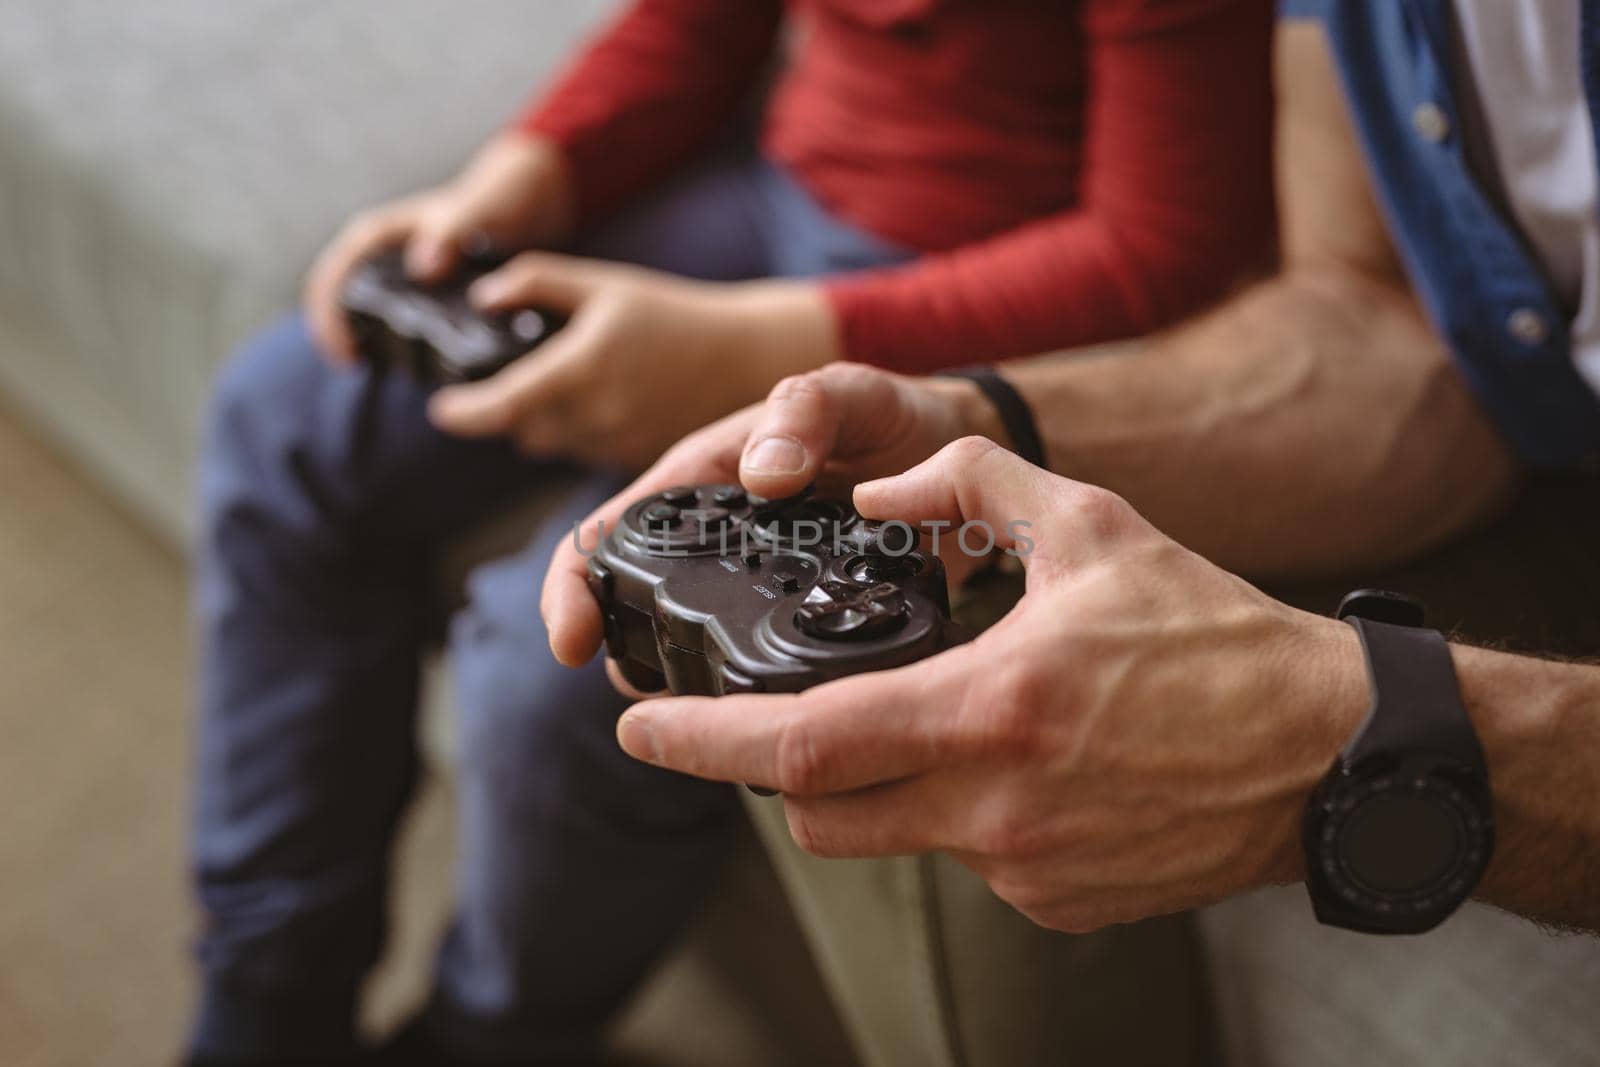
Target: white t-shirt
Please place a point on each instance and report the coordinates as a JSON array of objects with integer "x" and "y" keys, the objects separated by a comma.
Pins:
[{"x": 1535, "y": 131}]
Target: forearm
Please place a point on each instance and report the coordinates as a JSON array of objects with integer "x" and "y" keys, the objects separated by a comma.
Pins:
[
  {"x": 778, "y": 327},
  {"x": 1075, "y": 279},
  {"x": 1313, "y": 423},
  {"x": 1540, "y": 725}
]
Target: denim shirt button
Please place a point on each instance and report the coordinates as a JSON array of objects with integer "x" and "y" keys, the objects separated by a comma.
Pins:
[
  {"x": 1429, "y": 120},
  {"x": 1527, "y": 326}
]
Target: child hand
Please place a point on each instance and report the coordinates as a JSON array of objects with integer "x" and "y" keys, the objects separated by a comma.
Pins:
[
  {"x": 646, "y": 358},
  {"x": 515, "y": 191}
]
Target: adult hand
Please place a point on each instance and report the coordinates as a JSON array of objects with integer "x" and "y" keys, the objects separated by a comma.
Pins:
[
  {"x": 646, "y": 358},
  {"x": 1136, "y": 737},
  {"x": 515, "y": 192},
  {"x": 835, "y": 426}
]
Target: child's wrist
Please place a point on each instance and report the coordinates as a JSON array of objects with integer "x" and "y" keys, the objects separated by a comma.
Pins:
[
  {"x": 788, "y": 326},
  {"x": 531, "y": 173}
]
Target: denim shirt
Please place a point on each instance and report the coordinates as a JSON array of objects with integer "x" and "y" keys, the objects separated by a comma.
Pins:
[{"x": 1486, "y": 292}]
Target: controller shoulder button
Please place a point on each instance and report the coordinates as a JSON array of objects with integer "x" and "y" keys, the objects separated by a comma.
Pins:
[{"x": 736, "y": 681}]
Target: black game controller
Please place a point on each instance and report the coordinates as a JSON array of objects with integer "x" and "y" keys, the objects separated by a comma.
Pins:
[
  {"x": 706, "y": 590},
  {"x": 434, "y": 332}
]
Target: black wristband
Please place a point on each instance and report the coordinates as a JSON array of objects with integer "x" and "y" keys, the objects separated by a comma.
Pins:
[{"x": 1014, "y": 412}]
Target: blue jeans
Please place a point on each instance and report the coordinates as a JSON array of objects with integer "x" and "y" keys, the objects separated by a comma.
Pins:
[{"x": 327, "y": 499}]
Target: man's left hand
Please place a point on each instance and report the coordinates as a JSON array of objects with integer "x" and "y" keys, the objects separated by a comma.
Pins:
[{"x": 1138, "y": 736}]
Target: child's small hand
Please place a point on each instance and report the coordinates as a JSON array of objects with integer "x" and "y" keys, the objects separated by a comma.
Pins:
[
  {"x": 515, "y": 191},
  {"x": 647, "y": 357}
]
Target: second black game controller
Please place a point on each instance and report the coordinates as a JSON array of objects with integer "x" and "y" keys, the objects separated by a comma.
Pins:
[
  {"x": 707, "y": 590},
  {"x": 434, "y": 332}
]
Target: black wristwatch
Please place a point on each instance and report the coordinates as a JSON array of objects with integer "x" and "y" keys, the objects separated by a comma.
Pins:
[{"x": 1400, "y": 830}]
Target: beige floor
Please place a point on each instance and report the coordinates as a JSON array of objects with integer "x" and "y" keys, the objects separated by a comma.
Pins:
[
  {"x": 93, "y": 757},
  {"x": 93, "y": 772}
]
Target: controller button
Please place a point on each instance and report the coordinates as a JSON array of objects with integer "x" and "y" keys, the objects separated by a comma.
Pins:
[
  {"x": 681, "y": 495},
  {"x": 752, "y": 559},
  {"x": 661, "y": 514},
  {"x": 528, "y": 325},
  {"x": 729, "y": 496},
  {"x": 786, "y": 581}
]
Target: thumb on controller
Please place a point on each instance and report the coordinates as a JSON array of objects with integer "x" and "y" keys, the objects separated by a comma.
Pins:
[{"x": 544, "y": 279}]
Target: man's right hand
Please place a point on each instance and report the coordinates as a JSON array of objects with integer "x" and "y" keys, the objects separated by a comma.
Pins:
[
  {"x": 516, "y": 192},
  {"x": 837, "y": 426}
]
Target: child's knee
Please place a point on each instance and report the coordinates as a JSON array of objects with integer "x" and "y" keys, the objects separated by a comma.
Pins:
[{"x": 264, "y": 390}]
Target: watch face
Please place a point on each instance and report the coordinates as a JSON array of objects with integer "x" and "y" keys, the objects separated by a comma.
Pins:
[
  {"x": 1402, "y": 846},
  {"x": 1400, "y": 841}
]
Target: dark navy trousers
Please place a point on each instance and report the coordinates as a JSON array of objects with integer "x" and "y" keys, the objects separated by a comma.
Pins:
[{"x": 327, "y": 500}]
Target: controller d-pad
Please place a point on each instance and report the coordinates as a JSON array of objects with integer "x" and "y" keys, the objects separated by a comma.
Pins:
[{"x": 836, "y": 611}]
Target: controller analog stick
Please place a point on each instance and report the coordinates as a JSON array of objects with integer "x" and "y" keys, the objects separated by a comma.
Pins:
[
  {"x": 873, "y": 569},
  {"x": 850, "y": 613}
]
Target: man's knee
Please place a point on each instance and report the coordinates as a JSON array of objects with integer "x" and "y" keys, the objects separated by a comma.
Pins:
[
  {"x": 522, "y": 715},
  {"x": 540, "y": 739}
]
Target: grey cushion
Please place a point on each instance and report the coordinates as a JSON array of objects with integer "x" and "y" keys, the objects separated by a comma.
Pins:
[{"x": 167, "y": 170}]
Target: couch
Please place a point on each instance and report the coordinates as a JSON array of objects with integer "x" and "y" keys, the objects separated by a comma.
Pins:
[{"x": 168, "y": 168}]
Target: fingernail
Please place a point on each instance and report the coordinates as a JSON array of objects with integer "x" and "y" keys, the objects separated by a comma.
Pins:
[
  {"x": 447, "y": 407},
  {"x": 776, "y": 455},
  {"x": 487, "y": 290},
  {"x": 424, "y": 259},
  {"x": 636, "y": 734}
]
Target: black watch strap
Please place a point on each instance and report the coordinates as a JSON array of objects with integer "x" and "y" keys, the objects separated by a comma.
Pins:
[
  {"x": 1014, "y": 412},
  {"x": 1416, "y": 700},
  {"x": 1416, "y": 703}
]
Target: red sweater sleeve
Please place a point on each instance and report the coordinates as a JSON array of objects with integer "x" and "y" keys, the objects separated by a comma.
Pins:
[
  {"x": 1175, "y": 203},
  {"x": 659, "y": 82}
]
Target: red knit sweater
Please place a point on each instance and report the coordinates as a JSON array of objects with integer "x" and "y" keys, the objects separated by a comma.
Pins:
[{"x": 1075, "y": 170}]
